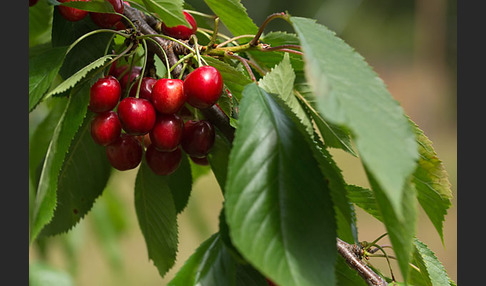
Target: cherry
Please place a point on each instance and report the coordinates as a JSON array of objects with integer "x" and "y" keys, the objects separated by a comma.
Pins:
[
  {"x": 167, "y": 132},
  {"x": 181, "y": 32},
  {"x": 105, "y": 128},
  {"x": 104, "y": 94},
  {"x": 125, "y": 153},
  {"x": 117, "y": 71},
  {"x": 124, "y": 82},
  {"x": 72, "y": 14},
  {"x": 147, "y": 84},
  {"x": 107, "y": 20},
  {"x": 163, "y": 163},
  {"x": 33, "y": 2},
  {"x": 197, "y": 138},
  {"x": 168, "y": 95},
  {"x": 203, "y": 161},
  {"x": 203, "y": 87},
  {"x": 119, "y": 25},
  {"x": 137, "y": 115}
]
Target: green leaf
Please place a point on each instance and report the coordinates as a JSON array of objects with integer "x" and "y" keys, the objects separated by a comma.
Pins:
[
  {"x": 75, "y": 193},
  {"x": 42, "y": 274},
  {"x": 278, "y": 206},
  {"x": 157, "y": 217},
  {"x": 400, "y": 229},
  {"x": 233, "y": 78},
  {"x": 40, "y": 23},
  {"x": 218, "y": 159},
  {"x": 350, "y": 93},
  {"x": 431, "y": 180},
  {"x": 42, "y": 136},
  {"x": 432, "y": 272},
  {"x": 100, "y": 6},
  {"x": 233, "y": 15},
  {"x": 65, "y": 131},
  {"x": 346, "y": 276},
  {"x": 43, "y": 68},
  {"x": 280, "y": 81},
  {"x": 78, "y": 76},
  {"x": 213, "y": 264},
  {"x": 365, "y": 199},
  {"x": 169, "y": 11},
  {"x": 180, "y": 184}
]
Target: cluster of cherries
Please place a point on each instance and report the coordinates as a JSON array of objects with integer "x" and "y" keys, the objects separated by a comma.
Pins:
[{"x": 154, "y": 119}]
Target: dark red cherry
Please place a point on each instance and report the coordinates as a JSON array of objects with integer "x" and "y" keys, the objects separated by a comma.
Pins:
[
  {"x": 105, "y": 128},
  {"x": 146, "y": 86},
  {"x": 166, "y": 134},
  {"x": 136, "y": 71},
  {"x": 197, "y": 138},
  {"x": 181, "y": 32},
  {"x": 203, "y": 87},
  {"x": 168, "y": 95},
  {"x": 107, "y": 20},
  {"x": 125, "y": 153},
  {"x": 137, "y": 115},
  {"x": 163, "y": 163},
  {"x": 72, "y": 14},
  {"x": 104, "y": 94}
]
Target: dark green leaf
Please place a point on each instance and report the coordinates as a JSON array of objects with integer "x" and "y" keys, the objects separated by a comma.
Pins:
[
  {"x": 432, "y": 272},
  {"x": 233, "y": 15},
  {"x": 431, "y": 180},
  {"x": 213, "y": 264},
  {"x": 349, "y": 93},
  {"x": 278, "y": 207},
  {"x": 43, "y": 68},
  {"x": 180, "y": 184},
  {"x": 346, "y": 276},
  {"x": 218, "y": 159},
  {"x": 65, "y": 131},
  {"x": 40, "y": 23},
  {"x": 157, "y": 217},
  {"x": 233, "y": 78},
  {"x": 76, "y": 193},
  {"x": 169, "y": 11}
]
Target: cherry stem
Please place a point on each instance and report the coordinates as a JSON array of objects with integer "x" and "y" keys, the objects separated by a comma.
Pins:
[
  {"x": 271, "y": 17},
  {"x": 244, "y": 62},
  {"x": 234, "y": 39},
  {"x": 212, "y": 41}
]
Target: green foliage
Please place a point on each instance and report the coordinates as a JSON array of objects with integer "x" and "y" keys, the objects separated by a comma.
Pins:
[{"x": 285, "y": 198}]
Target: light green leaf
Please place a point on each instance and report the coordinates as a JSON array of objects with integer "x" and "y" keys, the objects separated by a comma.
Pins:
[
  {"x": 278, "y": 209},
  {"x": 233, "y": 78},
  {"x": 43, "y": 68},
  {"x": 213, "y": 264},
  {"x": 349, "y": 93},
  {"x": 233, "y": 15},
  {"x": 75, "y": 194},
  {"x": 42, "y": 274},
  {"x": 433, "y": 187},
  {"x": 365, "y": 199},
  {"x": 169, "y": 11},
  {"x": 65, "y": 131},
  {"x": 157, "y": 217},
  {"x": 78, "y": 76},
  {"x": 432, "y": 272}
]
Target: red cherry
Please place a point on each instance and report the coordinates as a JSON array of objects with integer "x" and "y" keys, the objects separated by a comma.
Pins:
[
  {"x": 72, "y": 14},
  {"x": 203, "y": 161},
  {"x": 168, "y": 95},
  {"x": 137, "y": 115},
  {"x": 117, "y": 71},
  {"x": 197, "y": 138},
  {"x": 167, "y": 132},
  {"x": 163, "y": 163},
  {"x": 107, "y": 20},
  {"x": 181, "y": 32},
  {"x": 203, "y": 87},
  {"x": 104, "y": 94},
  {"x": 125, "y": 153},
  {"x": 146, "y": 87},
  {"x": 105, "y": 128}
]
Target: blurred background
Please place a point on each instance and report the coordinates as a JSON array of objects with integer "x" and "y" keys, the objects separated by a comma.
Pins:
[{"x": 410, "y": 44}]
